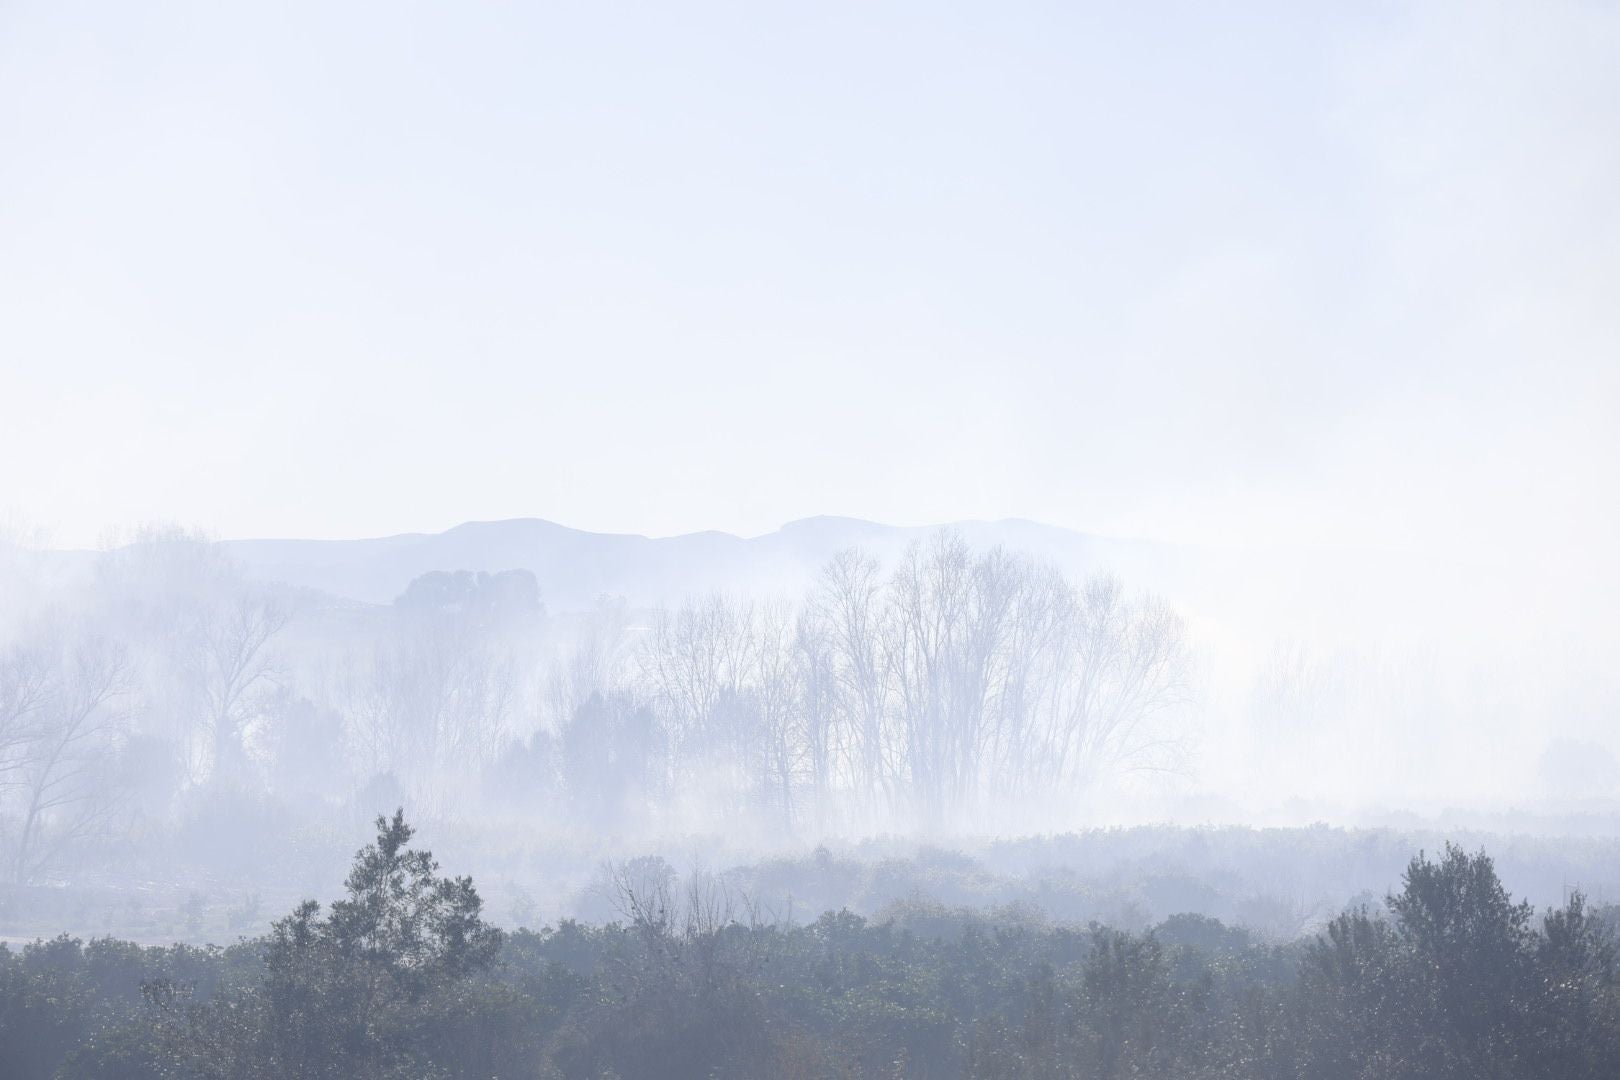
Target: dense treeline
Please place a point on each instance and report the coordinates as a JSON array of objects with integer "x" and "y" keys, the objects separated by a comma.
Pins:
[
  {"x": 404, "y": 978},
  {"x": 167, "y": 687}
]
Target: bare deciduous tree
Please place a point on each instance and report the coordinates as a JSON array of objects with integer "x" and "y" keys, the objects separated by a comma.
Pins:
[
  {"x": 232, "y": 657},
  {"x": 67, "y": 785}
]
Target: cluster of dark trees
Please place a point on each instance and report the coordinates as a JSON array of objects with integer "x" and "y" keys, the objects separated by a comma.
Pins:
[
  {"x": 164, "y": 686},
  {"x": 403, "y": 977}
]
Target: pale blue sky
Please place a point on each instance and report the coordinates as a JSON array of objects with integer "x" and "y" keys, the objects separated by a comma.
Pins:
[{"x": 1230, "y": 273}]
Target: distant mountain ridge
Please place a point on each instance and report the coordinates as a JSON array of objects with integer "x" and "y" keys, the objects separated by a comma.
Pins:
[{"x": 574, "y": 566}]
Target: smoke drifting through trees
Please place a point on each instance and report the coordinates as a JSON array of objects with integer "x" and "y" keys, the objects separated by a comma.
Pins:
[
  {"x": 954, "y": 685},
  {"x": 957, "y": 680}
]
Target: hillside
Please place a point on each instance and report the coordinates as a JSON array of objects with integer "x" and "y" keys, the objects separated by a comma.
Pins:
[{"x": 574, "y": 566}]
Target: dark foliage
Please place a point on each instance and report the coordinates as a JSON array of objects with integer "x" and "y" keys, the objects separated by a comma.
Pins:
[{"x": 402, "y": 978}]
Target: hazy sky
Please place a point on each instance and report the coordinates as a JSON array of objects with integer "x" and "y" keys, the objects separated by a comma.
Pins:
[{"x": 1206, "y": 271}]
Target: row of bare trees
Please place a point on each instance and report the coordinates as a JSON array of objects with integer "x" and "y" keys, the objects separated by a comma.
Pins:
[
  {"x": 957, "y": 680},
  {"x": 953, "y": 682},
  {"x": 433, "y": 698}
]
